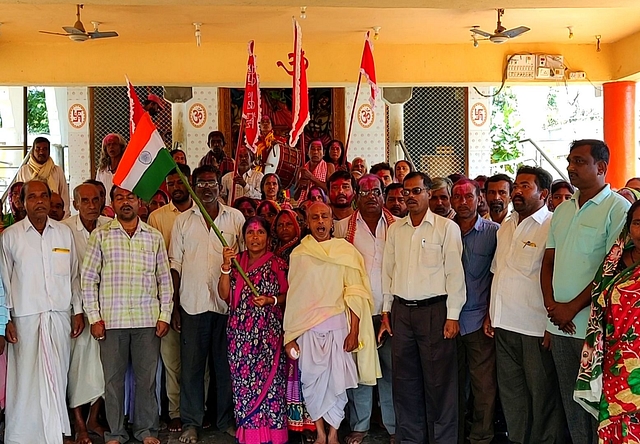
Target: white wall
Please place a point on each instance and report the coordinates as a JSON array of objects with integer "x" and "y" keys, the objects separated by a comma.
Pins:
[
  {"x": 479, "y": 158},
  {"x": 369, "y": 143}
]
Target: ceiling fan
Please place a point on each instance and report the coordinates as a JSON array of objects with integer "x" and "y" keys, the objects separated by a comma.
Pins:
[
  {"x": 77, "y": 32},
  {"x": 501, "y": 34}
]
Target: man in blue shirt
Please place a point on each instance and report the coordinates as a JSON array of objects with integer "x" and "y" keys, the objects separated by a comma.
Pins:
[
  {"x": 476, "y": 351},
  {"x": 582, "y": 232}
]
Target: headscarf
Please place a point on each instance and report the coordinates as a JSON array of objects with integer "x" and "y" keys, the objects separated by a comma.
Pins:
[{"x": 281, "y": 249}]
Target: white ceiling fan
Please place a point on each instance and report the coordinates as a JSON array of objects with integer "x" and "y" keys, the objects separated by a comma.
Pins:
[
  {"x": 501, "y": 34},
  {"x": 77, "y": 32}
]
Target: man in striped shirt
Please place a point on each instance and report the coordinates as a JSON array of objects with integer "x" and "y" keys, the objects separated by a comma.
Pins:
[{"x": 127, "y": 294}]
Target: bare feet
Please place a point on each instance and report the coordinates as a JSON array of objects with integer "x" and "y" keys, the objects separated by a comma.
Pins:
[
  {"x": 175, "y": 425},
  {"x": 189, "y": 436},
  {"x": 355, "y": 437},
  {"x": 333, "y": 436},
  {"x": 83, "y": 438},
  {"x": 150, "y": 440},
  {"x": 231, "y": 431}
]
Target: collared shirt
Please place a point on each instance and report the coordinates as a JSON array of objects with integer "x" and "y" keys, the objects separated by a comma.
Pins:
[
  {"x": 581, "y": 237},
  {"x": 81, "y": 235},
  {"x": 371, "y": 247},
  {"x": 40, "y": 271},
  {"x": 163, "y": 219},
  {"x": 423, "y": 262},
  {"x": 516, "y": 295},
  {"x": 196, "y": 254},
  {"x": 126, "y": 280},
  {"x": 479, "y": 246},
  {"x": 251, "y": 189}
]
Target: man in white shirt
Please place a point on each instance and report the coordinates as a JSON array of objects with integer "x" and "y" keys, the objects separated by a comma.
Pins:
[
  {"x": 246, "y": 181},
  {"x": 367, "y": 229},
  {"x": 40, "y": 166},
  {"x": 195, "y": 253},
  {"x": 40, "y": 277},
  {"x": 422, "y": 276},
  {"x": 162, "y": 220},
  {"x": 527, "y": 380},
  {"x": 86, "y": 378}
]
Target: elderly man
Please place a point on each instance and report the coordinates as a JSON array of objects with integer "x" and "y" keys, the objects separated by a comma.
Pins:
[
  {"x": 315, "y": 172},
  {"x": 86, "y": 379},
  {"x": 476, "y": 352},
  {"x": 216, "y": 156},
  {"x": 424, "y": 292},
  {"x": 162, "y": 220},
  {"x": 366, "y": 229},
  {"x": 582, "y": 232},
  {"x": 246, "y": 181},
  {"x": 200, "y": 315},
  {"x": 40, "y": 166},
  {"x": 329, "y": 294},
  {"x": 440, "y": 201},
  {"x": 342, "y": 193},
  {"x": 127, "y": 297},
  {"x": 40, "y": 276}
]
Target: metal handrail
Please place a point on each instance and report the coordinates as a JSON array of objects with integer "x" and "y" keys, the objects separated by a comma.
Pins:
[{"x": 561, "y": 172}]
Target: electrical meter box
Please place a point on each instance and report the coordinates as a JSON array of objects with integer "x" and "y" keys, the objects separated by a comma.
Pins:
[{"x": 549, "y": 67}]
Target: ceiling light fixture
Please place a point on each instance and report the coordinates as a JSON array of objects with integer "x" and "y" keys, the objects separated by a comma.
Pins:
[
  {"x": 198, "y": 34},
  {"x": 303, "y": 12},
  {"x": 376, "y": 32},
  {"x": 570, "y": 28},
  {"x": 598, "y": 37}
]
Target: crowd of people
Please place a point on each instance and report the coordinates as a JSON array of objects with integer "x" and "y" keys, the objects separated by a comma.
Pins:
[{"x": 455, "y": 298}]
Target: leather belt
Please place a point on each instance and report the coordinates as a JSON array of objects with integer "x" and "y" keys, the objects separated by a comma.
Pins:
[{"x": 423, "y": 302}]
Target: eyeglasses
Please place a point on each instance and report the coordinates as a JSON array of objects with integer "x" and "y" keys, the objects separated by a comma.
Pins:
[
  {"x": 207, "y": 184},
  {"x": 376, "y": 192},
  {"x": 415, "y": 191}
]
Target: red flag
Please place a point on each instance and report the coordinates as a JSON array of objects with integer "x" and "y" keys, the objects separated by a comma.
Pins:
[
  {"x": 368, "y": 69},
  {"x": 300, "y": 96},
  {"x": 136, "y": 111},
  {"x": 252, "y": 107}
]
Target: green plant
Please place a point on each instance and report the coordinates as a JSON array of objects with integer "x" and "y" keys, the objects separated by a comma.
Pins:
[
  {"x": 37, "y": 115},
  {"x": 505, "y": 129}
]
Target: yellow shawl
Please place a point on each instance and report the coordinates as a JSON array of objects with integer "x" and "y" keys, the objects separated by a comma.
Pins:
[
  {"x": 44, "y": 172},
  {"x": 326, "y": 279}
]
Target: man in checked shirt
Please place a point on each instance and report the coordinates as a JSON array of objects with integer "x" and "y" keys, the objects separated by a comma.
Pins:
[{"x": 127, "y": 294}]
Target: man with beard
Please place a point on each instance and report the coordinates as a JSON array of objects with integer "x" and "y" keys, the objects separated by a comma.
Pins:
[
  {"x": 424, "y": 292},
  {"x": 394, "y": 200},
  {"x": 40, "y": 278},
  {"x": 216, "y": 156},
  {"x": 86, "y": 379},
  {"x": 200, "y": 314},
  {"x": 499, "y": 188},
  {"x": 153, "y": 105},
  {"x": 440, "y": 201},
  {"x": 583, "y": 230},
  {"x": 517, "y": 317},
  {"x": 328, "y": 316},
  {"x": 341, "y": 186},
  {"x": 162, "y": 220},
  {"x": 126, "y": 288},
  {"x": 476, "y": 352},
  {"x": 246, "y": 181},
  {"x": 366, "y": 229},
  {"x": 40, "y": 166}
]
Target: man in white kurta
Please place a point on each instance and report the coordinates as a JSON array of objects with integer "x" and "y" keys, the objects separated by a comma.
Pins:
[
  {"x": 329, "y": 293},
  {"x": 40, "y": 276},
  {"x": 86, "y": 378}
]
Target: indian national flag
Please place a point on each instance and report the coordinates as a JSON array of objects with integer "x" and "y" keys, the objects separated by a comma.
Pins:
[{"x": 145, "y": 163}]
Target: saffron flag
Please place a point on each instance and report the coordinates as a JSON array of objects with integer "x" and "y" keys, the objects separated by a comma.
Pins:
[
  {"x": 368, "y": 69},
  {"x": 145, "y": 162},
  {"x": 300, "y": 96},
  {"x": 135, "y": 108},
  {"x": 252, "y": 106}
]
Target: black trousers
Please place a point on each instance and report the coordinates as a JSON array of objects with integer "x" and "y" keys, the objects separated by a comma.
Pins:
[{"x": 425, "y": 375}]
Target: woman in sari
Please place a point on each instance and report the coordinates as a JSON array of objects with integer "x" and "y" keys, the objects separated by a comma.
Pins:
[
  {"x": 269, "y": 210},
  {"x": 255, "y": 337},
  {"x": 608, "y": 384},
  {"x": 286, "y": 234},
  {"x": 334, "y": 154}
]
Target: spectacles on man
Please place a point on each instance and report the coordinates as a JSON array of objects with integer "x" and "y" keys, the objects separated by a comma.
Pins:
[
  {"x": 207, "y": 184},
  {"x": 376, "y": 192},
  {"x": 415, "y": 191}
]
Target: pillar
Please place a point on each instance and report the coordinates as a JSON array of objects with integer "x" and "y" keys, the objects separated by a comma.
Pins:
[
  {"x": 396, "y": 132},
  {"x": 619, "y": 131}
]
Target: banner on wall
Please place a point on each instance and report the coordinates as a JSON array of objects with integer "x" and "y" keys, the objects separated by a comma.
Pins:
[{"x": 252, "y": 106}]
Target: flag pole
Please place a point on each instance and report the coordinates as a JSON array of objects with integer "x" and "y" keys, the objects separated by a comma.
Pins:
[
  {"x": 207, "y": 217},
  {"x": 235, "y": 163},
  {"x": 353, "y": 111}
]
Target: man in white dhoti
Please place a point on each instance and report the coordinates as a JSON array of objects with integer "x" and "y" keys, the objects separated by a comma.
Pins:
[
  {"x": 329, "y": 293},
  {"x": 40, "y": 276},
  {"x": 86, "y": 379}
]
